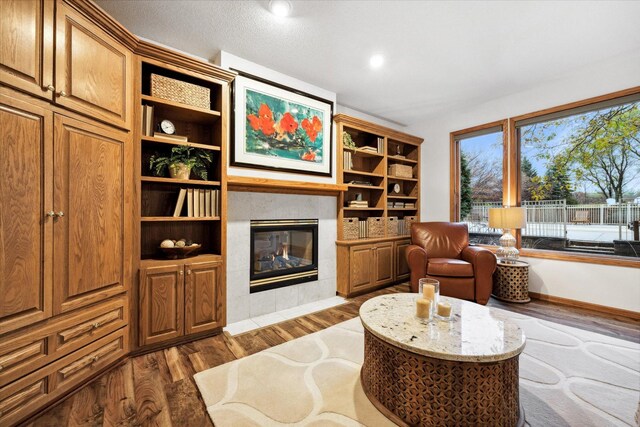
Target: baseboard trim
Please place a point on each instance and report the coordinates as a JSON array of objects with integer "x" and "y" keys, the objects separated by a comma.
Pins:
[{"x": 587, "y": 305}]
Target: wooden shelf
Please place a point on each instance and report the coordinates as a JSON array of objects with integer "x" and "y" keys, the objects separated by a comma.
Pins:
[
  {"x": 363, "y": 209},
  {"x": 399, "y": 178},
  {"x": 153, "y": 262},
  {"x": 402, "y": 160},
  {"x": 181, "y": 143},
  {"x": 363, "y": 153},
  {"x": 365, "y": 187},
  {"x": 402, "y": 197},
  {"x": 183, "y": 112},
  {"x": 352, "y": 172},
  {"x": 178, "y": 218},
  {"x": 264, "y": 185},
  {"x": 179, "y": 181},
  {"x": 402, "y": 209}
]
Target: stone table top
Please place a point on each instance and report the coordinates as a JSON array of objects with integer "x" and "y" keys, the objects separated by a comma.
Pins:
[{"x": 476, "y": 333}]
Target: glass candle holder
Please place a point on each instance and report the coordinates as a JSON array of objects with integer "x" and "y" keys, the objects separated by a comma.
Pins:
[{"x": 429, "y": 289}]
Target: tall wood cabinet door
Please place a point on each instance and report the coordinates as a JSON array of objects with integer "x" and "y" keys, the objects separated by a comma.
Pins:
[
  {"x": 25, "y": 228},
  {"x": 26, "y": 51},
  {"x": 161, "y": 303},
  {"x": 88, "y": 201},
  {"x": 402, "y": 267},
  {"x": 94, "y": 73},
  {"x": 383, "y": 269},
  {"x": 203, "y": 297},
  {"x": 361, "y": 260}
]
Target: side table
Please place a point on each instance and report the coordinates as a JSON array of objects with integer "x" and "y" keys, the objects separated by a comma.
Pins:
[{"x": 511, "y": 282}]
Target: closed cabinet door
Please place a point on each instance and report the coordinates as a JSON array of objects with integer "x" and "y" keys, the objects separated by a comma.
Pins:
[
  {"x": 203, "y": 297},
  {"x": 89, "y": 213},
  {"x": 361, "y": 260},
  {"x": 93, "y": 71},
  {"x": 402, "y": 267},
  {"x": 26, "y": 51},
  {"x": 161, "y": 303},
  {"x": 383, "y": 269},
  {"x": 26, "y": 221}
]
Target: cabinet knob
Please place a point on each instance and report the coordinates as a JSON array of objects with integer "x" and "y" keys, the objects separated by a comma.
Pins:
[
  {"x": 50, "y": 214},
  {"x": 50, "y": 88},
  {"x": 60, "y": 214},
  {"x": 180, "y": 272},
  {"x": 96, "y": 325},
  {"x": 62, "y": 93},
  {"x": 95, "y": 358},
  {"x": 188, "y": 271},
  {"x": 1, "y": 367}
]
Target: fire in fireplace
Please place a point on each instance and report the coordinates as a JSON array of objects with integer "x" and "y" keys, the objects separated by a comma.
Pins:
[{"x": 283, "y": 253}]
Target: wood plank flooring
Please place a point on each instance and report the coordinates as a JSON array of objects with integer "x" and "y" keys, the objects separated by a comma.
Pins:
[{"x": 157, "y": 389}]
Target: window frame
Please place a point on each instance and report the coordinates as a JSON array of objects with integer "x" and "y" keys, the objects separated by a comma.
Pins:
[{"x": 511, "y": 184}]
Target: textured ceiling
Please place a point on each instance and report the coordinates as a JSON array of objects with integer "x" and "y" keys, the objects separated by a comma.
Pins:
[{"x": 439, "y": 55}]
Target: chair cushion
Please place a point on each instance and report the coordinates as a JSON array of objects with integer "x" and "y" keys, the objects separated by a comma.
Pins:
[{"x": 449, "y": 267}]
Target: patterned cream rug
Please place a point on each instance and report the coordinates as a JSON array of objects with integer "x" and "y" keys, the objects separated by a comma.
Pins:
[{"x": 568, "y": 377}]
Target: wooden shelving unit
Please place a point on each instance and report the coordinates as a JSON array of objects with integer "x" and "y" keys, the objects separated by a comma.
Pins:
[{"x": 369, "y": 263}]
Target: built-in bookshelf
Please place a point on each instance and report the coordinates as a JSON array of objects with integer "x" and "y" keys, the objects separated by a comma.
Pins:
[
  {"x": 192, "y": 208},
  {"x": 381, "y": 169}
]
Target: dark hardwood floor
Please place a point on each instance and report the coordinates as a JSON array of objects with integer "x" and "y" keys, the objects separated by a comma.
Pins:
[{"x": 157, "y": 389}]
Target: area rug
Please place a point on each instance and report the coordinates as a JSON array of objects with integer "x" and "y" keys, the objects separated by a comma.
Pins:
[{"x": 568, "y": 377}]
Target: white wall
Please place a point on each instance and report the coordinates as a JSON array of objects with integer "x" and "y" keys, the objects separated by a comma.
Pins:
[{"x": 606, "y": 285}]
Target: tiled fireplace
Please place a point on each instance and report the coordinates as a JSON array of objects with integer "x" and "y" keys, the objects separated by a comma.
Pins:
[{"x": 283, "y": 253}]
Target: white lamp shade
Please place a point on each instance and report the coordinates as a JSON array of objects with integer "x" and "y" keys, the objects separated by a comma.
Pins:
[{"x": 507, "y": 218}]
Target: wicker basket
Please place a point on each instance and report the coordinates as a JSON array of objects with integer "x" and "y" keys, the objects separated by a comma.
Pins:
[
  {"x": 179, "y": 91},
  {"x": 402, "y": 171},
  {"x": 408, "y": 220},
  {"x": 376, "y": 225},
  {"x": 350, "y": 228},
  {"x": 392, "y": 226}
]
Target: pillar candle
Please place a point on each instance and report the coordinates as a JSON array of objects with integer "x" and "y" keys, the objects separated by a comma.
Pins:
[
  {"x": 429, "y": 292},
  {"x": 444, "y": 309},
  {"x": 423, "y": 308}
]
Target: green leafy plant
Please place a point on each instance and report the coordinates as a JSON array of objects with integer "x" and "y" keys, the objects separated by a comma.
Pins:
[
  {"x": 347, "y": 140},
  {"x": 196, "y": 159}
]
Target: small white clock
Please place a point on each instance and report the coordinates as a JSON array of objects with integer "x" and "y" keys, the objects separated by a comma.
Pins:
[{"x": 167, "y": 127}]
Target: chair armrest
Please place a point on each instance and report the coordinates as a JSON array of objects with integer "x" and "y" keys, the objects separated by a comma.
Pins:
[
  {"x": 484, "y": 264},
  {"x": 417, "y": 261}
]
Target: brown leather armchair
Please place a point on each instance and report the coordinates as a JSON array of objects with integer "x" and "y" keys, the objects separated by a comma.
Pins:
[{"x": 441, "y": 251}]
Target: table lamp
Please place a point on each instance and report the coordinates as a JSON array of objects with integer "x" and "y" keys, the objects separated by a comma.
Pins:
[{"x": 507, "y": 219}]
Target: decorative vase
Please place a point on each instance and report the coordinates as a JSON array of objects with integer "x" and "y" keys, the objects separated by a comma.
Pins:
[{"x": 179, "y": 171}]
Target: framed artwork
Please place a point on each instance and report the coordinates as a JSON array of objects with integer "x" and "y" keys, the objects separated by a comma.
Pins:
[{"x": 279, "y": 128}]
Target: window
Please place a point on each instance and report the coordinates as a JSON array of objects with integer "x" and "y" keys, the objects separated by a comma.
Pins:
[
  {"x": 580, "y": 178},
  {"x": 574, "y": 168},
  {"x": 479, "y": 165}
]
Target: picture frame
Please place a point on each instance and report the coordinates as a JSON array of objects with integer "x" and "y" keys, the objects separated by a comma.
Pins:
[{"x": 275, "y": 127}]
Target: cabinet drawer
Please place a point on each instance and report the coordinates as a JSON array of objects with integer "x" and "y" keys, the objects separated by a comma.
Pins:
[
  {"x": 86, "y": 361},
  {"x": 21, "y": 399},
  {"x": 30, "y": 348},
  {"x": 97, "y": 325}
]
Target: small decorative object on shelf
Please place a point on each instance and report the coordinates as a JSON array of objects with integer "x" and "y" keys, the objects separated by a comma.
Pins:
[
  {"x": 180, "y": 162},
  {"x": 402, "y": 171},
  {"x": 175, "y": 249},
  {"x": 180, "y": 91},
  {"x": 394, "y": 188},
  {"x": 348, "y": 141}
]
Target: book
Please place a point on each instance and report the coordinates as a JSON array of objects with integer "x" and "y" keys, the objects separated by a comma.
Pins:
[
  {"x": 171, "y": 137},
  {"x": 180, "y": 202},
  {"x": 196, "y": 202},
  {"x": 190, "y": 202},
  {"x": 216, "y": 203},
  {"x": 148, "y": 120},
  {"x": 202, "y": 201},
  {"x": 207, "y": 203}
]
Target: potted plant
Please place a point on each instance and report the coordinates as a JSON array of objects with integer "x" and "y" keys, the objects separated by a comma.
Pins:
[{"x": 180, "y": 162}]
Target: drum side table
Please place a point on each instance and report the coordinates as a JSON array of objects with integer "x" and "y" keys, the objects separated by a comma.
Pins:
[{"x": 511, "y": 282}]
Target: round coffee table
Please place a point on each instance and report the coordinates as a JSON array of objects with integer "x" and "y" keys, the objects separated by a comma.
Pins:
[{"x": 462, "y": 372}]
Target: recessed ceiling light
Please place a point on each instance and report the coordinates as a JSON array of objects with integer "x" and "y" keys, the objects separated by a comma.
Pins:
[
  {"x": 280, "y": 8},
  {"x": 376, "y": 61}
]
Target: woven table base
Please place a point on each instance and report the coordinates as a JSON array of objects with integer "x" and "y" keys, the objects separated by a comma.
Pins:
[{"x": 411, "y": 389}]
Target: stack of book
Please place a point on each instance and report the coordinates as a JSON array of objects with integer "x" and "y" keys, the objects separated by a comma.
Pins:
[
  {"x": 147, "y": 120},
  {"x": 380, "y": 145},
  {"x": 170, "y": 137},
  {"x": 371, "y": 149},
  {"x": 357, "y": 182},
  {"x": 201, "y": 203},
  {"x": 347, "y": 162},
  {"x": 399, "y": 205},
  {"x": 358, "y": 204},
  {"x": 411, "y": 205},
  {"x": 390, "y": 205}
]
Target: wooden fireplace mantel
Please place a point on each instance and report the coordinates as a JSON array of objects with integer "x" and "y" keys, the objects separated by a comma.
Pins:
[{"x": 264, "y": 185}]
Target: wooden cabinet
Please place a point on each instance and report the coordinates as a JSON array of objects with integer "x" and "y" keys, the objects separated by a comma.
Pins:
[
  {"x": 26, "y": 190},
  {"x": 363, "y": 267},
  {"x": 402, "y": 271},
  {"x": 383, "y": 263},
  {"x": 93, "y": 72},
  {"x": 89, "y": 181},
  {"x": 26, "y": 52},
  {"x": 180, "y": 297}
]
